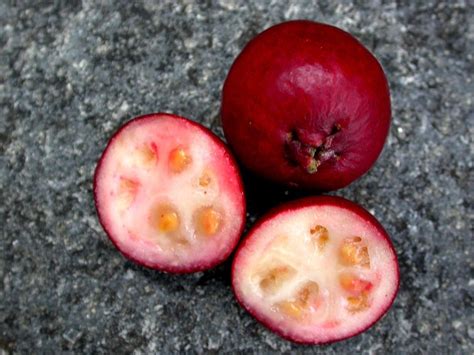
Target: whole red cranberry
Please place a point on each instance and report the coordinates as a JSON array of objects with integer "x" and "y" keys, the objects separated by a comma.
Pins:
[{"x": 307, "y": 105}]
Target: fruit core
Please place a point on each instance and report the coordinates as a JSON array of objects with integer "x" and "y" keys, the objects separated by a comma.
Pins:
[
  {"x": 297, "y": 297},
  {"x": 164, "y": 218}
]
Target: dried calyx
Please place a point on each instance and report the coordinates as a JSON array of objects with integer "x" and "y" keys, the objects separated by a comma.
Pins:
[{"x": 310, "y": 150}]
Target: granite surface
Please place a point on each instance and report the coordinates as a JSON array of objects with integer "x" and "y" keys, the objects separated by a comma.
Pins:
[{"x": 72, "y": 72}]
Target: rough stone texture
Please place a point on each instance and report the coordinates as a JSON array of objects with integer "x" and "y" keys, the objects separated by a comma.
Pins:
[{"x": 71, "y": 72}]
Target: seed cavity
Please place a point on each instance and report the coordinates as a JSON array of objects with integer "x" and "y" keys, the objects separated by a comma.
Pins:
[
  {"x": 164, "y": 218},
  {"x": 291, "y": 309},
  {"x": 168, "y": 222},
  {"x": 308, "y": 293},
  {"x": 146, "y": 155},
  {"x": 207, "y": 221},
  {"x": 126, "y": 192},
  {"x": 354, "y": 252},
  {"x": 358, "y": 303},
  {"x": 272, "y": 280},
  {"x": 353, "y": 284},
  {"x": 205, "y": 179},
  {"x": 305, "y": 298},
  {"x": 179, "y": 159},
  {"x": 319, "y": 236}
]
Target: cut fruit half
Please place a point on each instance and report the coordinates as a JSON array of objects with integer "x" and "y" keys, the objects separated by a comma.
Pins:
[
  {"x": 316, "y": 270},
  {"x": 169, "y": 194}
]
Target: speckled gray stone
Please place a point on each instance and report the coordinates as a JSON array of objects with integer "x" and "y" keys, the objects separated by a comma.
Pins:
[{"x": 72, "y": 72}]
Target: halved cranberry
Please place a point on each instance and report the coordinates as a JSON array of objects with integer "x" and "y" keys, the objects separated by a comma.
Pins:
[
  {"x": 316, "y": 270},
  {"x": 169, "y": 194}
]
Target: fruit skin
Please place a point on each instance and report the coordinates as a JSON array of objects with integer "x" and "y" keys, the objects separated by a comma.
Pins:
[
  {"x": 157, "y": 266},
  {"x": 295, "y": 205},
  {"x": 303, "y": 93}
]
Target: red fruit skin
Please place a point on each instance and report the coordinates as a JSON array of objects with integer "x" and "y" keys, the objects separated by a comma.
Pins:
[
  {"x": 294, "y": 205},
  {"x": 156, "y": 266},
  {"x": 313, "y": 83}
]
